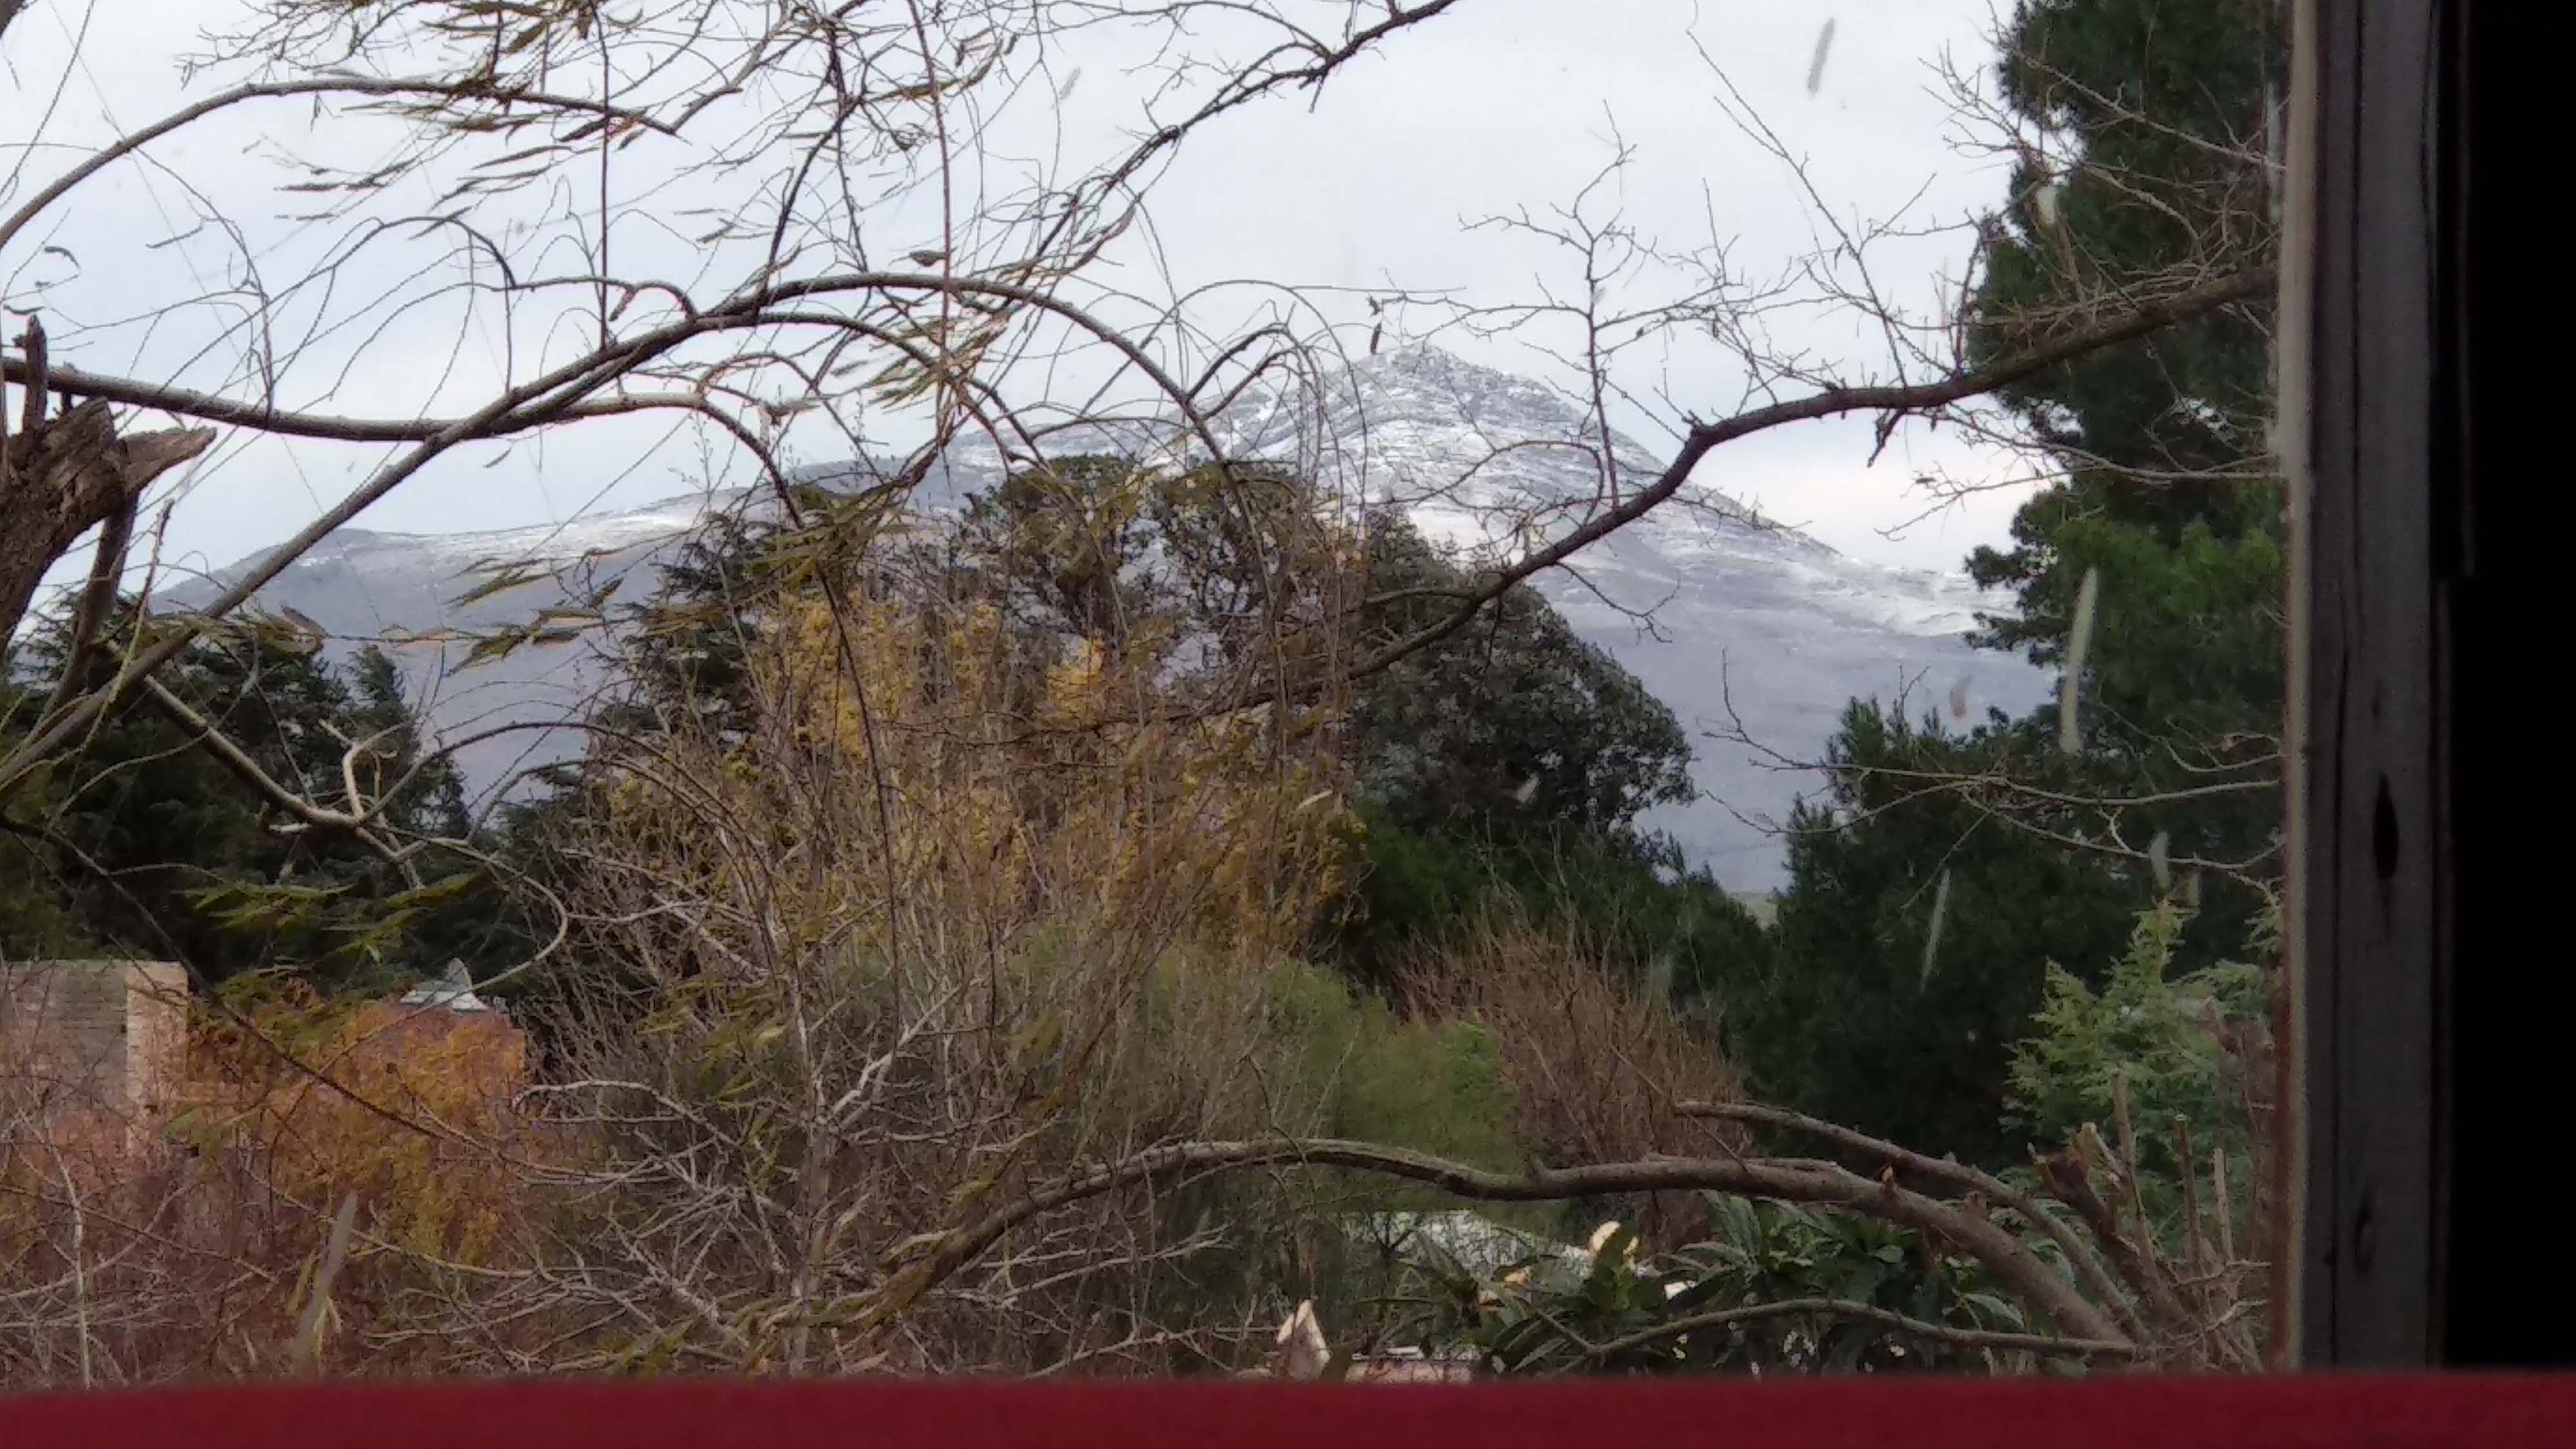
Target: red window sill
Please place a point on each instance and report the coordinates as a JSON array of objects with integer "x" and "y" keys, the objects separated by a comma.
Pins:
[{"x": 2480, "y": 1410}]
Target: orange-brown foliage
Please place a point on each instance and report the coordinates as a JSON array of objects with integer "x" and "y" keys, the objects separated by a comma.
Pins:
[{"x": 183, "y": 1244}]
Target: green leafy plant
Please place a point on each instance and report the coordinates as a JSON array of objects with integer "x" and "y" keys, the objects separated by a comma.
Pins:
[
  {"x": 1776, "y": 1288},
  {"x": 2156, "y": 1048}
]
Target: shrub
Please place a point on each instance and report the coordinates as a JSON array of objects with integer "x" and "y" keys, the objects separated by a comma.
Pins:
[{"x": 1596, "y": 1067}]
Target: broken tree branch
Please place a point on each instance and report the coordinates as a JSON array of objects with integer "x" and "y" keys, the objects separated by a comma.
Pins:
[
  {"x": 1781, "y": 1179},
  {"x": 68, "y": 476}
]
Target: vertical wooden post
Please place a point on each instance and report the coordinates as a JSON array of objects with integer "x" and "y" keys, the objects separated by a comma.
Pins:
[{"x": 2363, "y": 336}]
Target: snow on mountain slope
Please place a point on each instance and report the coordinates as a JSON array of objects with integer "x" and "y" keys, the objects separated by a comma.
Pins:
[{"x": 1750, "y": 622}]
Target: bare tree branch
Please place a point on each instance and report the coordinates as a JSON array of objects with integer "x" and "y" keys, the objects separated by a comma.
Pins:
[
  {"x": 1994, "y": 1189},
  {"x": 2147, "y": 318}
]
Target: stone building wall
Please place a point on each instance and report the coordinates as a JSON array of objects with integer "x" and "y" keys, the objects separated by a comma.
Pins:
[{"x": 94, "y": 1036}]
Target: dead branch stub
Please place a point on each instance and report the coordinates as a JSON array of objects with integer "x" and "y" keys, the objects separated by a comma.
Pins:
[{"x": 64, "y": 474}]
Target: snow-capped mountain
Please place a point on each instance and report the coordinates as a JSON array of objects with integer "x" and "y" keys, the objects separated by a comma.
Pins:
[{"x": 1733, "y": 621}]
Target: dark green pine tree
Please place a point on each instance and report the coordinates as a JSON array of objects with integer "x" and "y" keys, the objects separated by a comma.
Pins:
[
  {"x": 1504, "y": 768},
  {"x": 422, "y": 792},
  {"x": 1509, "y": 726},
  {"x": 141, "y": 842},
  {"x": 1912, "y": 944},
  {"x": 2166, "y": 492},
  {"x": 690, "y": 644},
  {"x": 36, "y": 922},
  {"x": 2164, "y": 496}
]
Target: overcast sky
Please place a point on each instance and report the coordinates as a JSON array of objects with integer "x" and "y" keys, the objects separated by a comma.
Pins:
[{"x": 1497, "y": 105}]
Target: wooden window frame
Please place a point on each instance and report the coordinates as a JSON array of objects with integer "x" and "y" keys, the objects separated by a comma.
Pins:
[{"x": 2428, "y": 1011}]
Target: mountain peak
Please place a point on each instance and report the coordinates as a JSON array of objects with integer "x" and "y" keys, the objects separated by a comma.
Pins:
[
  {"x": 1420, "y": 355},
  {"x": 1417, "y": 422},
  {"x": 1428, "y": 372}
]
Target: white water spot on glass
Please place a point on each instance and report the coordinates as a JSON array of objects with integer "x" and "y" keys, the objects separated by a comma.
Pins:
[
  {"x": 2045, "y": 200},
  {"x": 2079, "y": 642},
  {"x": 1932, "y": 937}
]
